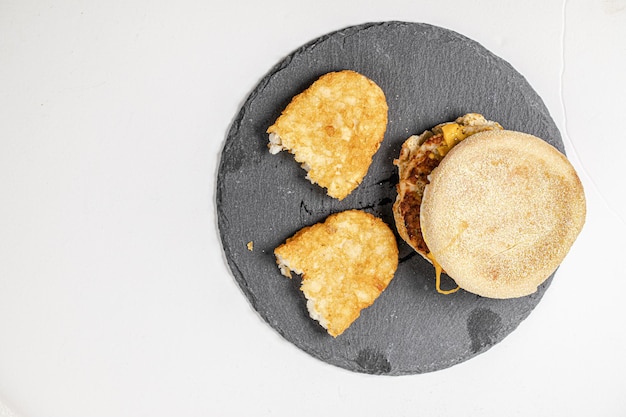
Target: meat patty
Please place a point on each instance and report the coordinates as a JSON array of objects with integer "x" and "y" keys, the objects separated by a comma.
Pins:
[{"x": 419, "y": 156}]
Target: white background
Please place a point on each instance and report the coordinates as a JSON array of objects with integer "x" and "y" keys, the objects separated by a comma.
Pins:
[{"x": 115, "y": 298}]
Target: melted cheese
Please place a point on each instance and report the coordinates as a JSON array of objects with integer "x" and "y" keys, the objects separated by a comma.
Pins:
[
  {"x": 438, "y": 271},
  {"x": 452, "y": 135}
]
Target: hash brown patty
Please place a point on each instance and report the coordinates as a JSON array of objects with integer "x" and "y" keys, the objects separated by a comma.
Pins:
[
  {"x": 333, "y": 129},
  {"x": 345, "y": 262}
]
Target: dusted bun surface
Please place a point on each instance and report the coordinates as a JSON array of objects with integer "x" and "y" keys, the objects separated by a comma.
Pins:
[{"x": 501, "y": 212}]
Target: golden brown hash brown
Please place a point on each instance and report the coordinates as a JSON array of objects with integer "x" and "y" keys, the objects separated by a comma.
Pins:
[
  {"x": 333, "y": 128},
  {"x": 345, "y": 263}
]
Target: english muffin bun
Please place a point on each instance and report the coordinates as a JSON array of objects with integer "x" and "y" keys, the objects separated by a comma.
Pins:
[{"x": 501, "y": 211}]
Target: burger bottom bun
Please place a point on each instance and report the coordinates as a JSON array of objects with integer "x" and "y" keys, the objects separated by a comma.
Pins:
[{"x": 501, "y": 212}]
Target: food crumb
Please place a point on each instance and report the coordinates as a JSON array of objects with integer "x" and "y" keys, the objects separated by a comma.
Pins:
[{"x": 250, "y": 246}]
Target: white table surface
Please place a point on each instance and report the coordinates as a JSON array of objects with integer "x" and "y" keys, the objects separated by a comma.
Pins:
[{"x": 115, "y": 298}]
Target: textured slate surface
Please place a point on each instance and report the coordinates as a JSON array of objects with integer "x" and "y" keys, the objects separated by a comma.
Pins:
[{"x": 429, "y": 75}]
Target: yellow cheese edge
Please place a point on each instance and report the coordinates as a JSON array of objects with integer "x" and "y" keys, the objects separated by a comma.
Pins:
[
  {"x": 438, "y": 271},
  {"x": 452, "y": 135}
]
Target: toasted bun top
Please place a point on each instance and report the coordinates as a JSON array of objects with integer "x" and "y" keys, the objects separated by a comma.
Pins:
[{"x": 501, "y": 212}]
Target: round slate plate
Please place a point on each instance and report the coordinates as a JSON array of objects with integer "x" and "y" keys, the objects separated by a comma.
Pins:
[{"x": 429, "y": 75}]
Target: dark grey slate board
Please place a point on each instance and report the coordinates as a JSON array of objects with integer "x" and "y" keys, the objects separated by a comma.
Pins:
[{"x": 429, "y": 75}]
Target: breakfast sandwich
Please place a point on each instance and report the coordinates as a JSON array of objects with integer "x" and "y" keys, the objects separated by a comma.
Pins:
[
  {"x": 333, "y": 129},
  {"x": 345, "y": 263},
  {"x": 497, "y": 210},
  {"x": 501, "y": 212}
]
